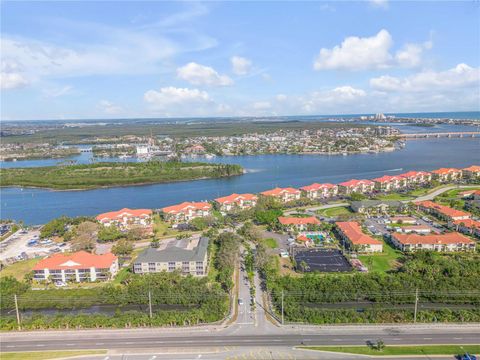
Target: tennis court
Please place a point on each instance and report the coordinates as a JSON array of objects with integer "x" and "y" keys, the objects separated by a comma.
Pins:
[{"x": 322, "y": 260}]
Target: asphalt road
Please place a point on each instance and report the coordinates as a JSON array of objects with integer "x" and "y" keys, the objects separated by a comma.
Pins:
[{"x": 123, "y": 340}]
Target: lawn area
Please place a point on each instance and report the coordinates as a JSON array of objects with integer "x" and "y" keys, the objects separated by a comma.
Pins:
[
  {"x": 162, "y": 228},
  {"x": 394, "y": 196},
  {"x": 456, "y": 192},
  {"x": 44, "y": 355},
  {"x": 270, "y": 243},
  {"x": 335, "y": 211},
  {"x": 122, "y": 274},
  {"x": 383, "y": 262},
  {"x": 393, "y": 350},
  {"x": 19, "y": 269}
]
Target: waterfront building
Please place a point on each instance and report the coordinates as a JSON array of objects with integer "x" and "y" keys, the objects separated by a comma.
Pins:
[
  {"x": 435, "y": 242},
  {"x": 188, "y": 256},
  {"x": 353, "y": 237},
  {"x": 447, "y": 174},
  {"x": 299, "y": 224},
  {"x": 283, "y": 194},
  {"x": 442, "y": 212},
  {"x": 416, "y": 177},
  {"x": 472, "y": 172},
  {"x": 127, "y": 218},
  {"x": 236, "y": 201},
  {"x": 186, "y": 211},
  {"x": 356, "y": 186},
  {"x": 390, "y": 183},
  {"x": 78, "y": 267},
  {"x": 319, "y": 191}
]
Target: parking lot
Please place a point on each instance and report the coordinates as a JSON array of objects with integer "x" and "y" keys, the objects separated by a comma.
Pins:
[
  {"x": 16, "y": 247},
  {"x": 380, "y": 225}
]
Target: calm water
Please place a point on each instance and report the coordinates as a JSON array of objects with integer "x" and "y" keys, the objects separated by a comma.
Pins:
[{"x": 36, "y": 206}]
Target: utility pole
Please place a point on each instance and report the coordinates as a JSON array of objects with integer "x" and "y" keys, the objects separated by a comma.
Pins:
[
  {"x": 16, "y": 310},
  {"x": 416, "y": 306},
  {"x": 150, "y": 303},
  {"x": 282, "y": 306}
]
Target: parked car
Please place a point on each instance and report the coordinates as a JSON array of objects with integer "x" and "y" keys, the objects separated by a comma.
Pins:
[{"x": 240, "y": 302}]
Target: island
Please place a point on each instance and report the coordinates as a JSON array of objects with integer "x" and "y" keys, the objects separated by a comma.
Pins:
[{"x": 109, "y": 174}]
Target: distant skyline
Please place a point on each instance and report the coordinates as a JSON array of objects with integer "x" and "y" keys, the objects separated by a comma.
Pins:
[{"x": 84, "y": 60}]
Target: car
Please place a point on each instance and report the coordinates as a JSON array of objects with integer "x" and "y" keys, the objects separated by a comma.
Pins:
[
  {"x": 60, "y": 284},
  {"x": 240, "y": 302},
  {"x": 468, "y": 356}
]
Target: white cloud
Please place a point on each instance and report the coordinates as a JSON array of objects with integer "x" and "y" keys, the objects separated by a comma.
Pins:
[
  {"x": 172, "y": 96},
  {"x": 241, "y": 65},
  {"x": 411, "y": 54},
  {"x": 197, "y": 74},
  {"x": 281, "y": 97},
  {"x": 379, "y": 3},
  {"x": 460, "y": 76},
  {"x": 356, "y": 53},
  {"x": 10, "y": 80},
  {"x": 110, "y": 108}
]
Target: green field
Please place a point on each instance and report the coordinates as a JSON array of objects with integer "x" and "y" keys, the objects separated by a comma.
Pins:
[
  {"x": 270, "y": 243},
  {"x": 97, "y": 175},
  {"x": 19, "y": 269},
  {"x": 335, "y": 211},
  {"x": 46, "y": 355},
  {"x": 394, "y": 196},
  {"x": 392, "y": 350},
  {"x": 381, "y": 263}
]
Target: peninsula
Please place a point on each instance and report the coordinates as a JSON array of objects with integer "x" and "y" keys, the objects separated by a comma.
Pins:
[{"x": 91, "y": 176}]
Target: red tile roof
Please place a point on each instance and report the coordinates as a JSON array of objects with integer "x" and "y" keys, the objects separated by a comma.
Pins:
[
  {"x": 387, "y": 178},
  {"x": 235, "y": 198},
  {"x": 355, "y": 182},
  {"x": 444, "y": 171},
  {"x": 278, "y": 191},
  {"x": 445, "y": 210},
  {"x": 317, "y": 186},
  {"x": 175, "y": 209},
  {"x": 125, "y": 212},
  {"x": 469, "y": 223},
  {"x": 443, "y": 239},
  {"x": 78, "y": 260},
  {"x": 298, "y": 221},
  {"x": 303, "y": 238},
  {"x": 414, "y": 174},
  {"x": 473, "y": 168},
  {"x": 353, "y": 231}
]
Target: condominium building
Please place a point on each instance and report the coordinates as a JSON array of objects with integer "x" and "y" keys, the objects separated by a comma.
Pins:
[
  {"x": 126, "y": 218},
  {"x": 442, "y": 212},
  {"x": 283, "y": 194},
  {"x": 78, "y": 267},
  {"x": 472, "y": 172},
  {"x": 447, "y": 174},
  {"x": 236, "y": 202},
  {"x": 356, "y": 186},
  {"x": 188, "y": 256},
  {"x": 354, "y": 238},
  {"x": 186, "y": 211},
  {"x": 435, "y": 242},
  {"x": 296, "y": 223},
  {"x": 416, "y": 177},
  {"x": 390, "y": 183},
  {"x": 319, "y": 191}
]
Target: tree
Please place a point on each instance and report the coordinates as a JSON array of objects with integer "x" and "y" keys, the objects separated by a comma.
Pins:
[
  {"x": 135, "y": 234},
  {"x": 85, "y": 236},
  {"x": 109, "y": 234},
  {"x": 55, "y": 227},
  {"x": 155, "y": 243},
  {"x": 250, "y": 232},
  {"x": 199, "y": 223},
  {"x": 123, "y": 247},
  {"x": 357, "y": 196}
]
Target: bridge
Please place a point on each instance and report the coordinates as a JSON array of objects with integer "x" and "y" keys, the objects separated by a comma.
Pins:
[{"x": 441, "y": 135}]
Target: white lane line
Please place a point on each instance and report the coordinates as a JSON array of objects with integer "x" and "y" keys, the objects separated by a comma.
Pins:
[
  {"x": 427, "y": 338},
  {"x": 10, "y": 346},
  {"x": 70, "y": 344},
  {"x": 457, "y": 338},
  {"x": 40, "y": 345},
  {"x": 103, "y": 343}
]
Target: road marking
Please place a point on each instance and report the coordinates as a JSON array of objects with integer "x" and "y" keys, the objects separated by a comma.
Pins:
[
  {"x": 40, "y": 345},
  {"x": 457, "y": 338},
  {"x": 427, "y": 338},
  {"x": 70, "y": 344},
  {"x": 103, "y": 343},
  {"x": 10, "y": 346}
]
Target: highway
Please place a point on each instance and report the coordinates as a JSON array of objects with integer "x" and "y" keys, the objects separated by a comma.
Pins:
[{"x": 96, "y": 339}]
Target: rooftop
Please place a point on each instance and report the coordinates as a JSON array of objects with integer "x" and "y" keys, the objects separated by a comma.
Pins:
[
  {"x": 235, "y": 197},
  {"x": 445, "y": 210},
  {"x": 186, "y": 206},
  {"x": 125, "y": 212},
  {"x": 78, "y": 260},
  {"x": 298, "y": 221},
  {"x": 442, "y": 239},
  {"x": 176, "y": 250},
  {"x": 354, "y": 232}
]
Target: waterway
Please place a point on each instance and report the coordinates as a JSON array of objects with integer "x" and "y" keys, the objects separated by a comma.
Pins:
[{"x": 37, "y": 206}]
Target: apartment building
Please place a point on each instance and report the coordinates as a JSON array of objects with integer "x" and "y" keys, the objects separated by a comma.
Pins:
[
  {"x": 356, "y": 186},
  {"x": 416, "y": 177},
  {"x": 436, "y": 242},
  {"x": 447, "y": 174},
  {"x": 442, "y": 212},
  {"x": 390, "y": 183},
  {"x": 236, "y": 202},
  {"x": 299, "y": 224},
  {"x": 283, "y": 194},
  {"x": 126, "y": 218},
  {"x": 354, "y": 238},
  {"x": 472, "y": 172},
  {"x": 319, "y": 191},
  {"x": 186, "y": 211}
]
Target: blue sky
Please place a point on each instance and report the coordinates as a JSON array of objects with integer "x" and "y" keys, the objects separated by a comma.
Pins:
[{"x": 73, "y": 60}]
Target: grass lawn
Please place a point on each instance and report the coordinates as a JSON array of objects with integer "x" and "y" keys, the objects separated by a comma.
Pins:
[
  {"x": 270, "y": 243},
  {"x": 19, "y": 269},
  {"x": 383, "y": 262},
  {"x": 456, "y": 192},
  {"x": 392, "y": 350},
  {"x": 44, "y": 355},
  {"x": 162, "y": 228},
  {"x": 122, "y": 274},
  {"x": 394, "y": 196},
  {"x": 335, "y": 211}
]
